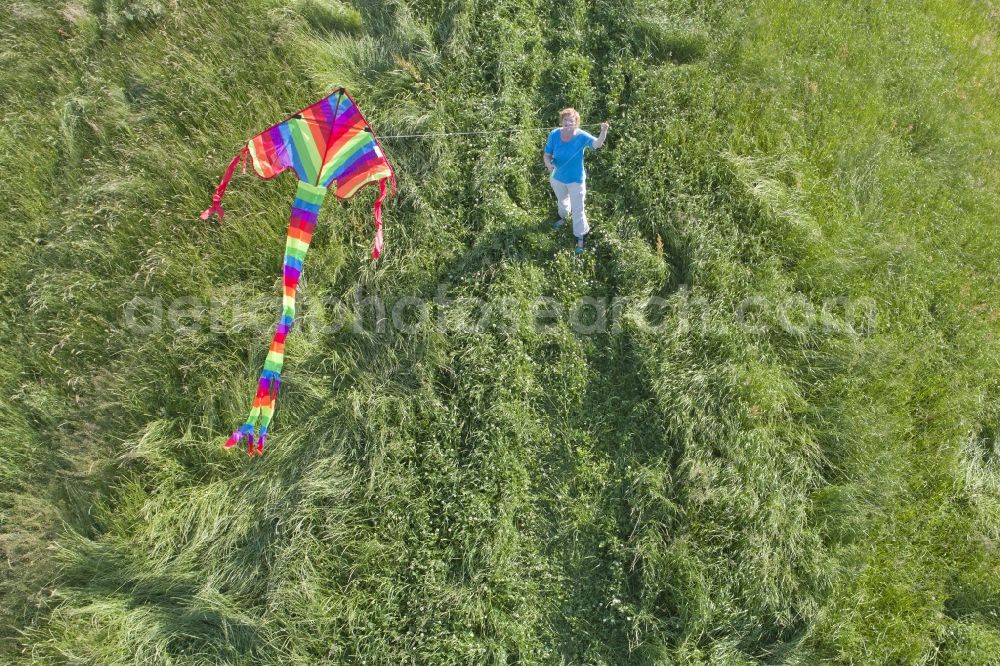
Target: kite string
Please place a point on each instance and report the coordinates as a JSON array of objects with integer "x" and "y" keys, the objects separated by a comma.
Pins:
[
  {"x": 504, "y": 131},
  {"x": 510, "y": 130}
]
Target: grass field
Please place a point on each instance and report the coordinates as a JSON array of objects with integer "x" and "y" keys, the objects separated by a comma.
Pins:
[{"x": 780, "y": 444}]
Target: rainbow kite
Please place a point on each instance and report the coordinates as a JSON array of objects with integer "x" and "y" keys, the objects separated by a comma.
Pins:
[{"x": 328, "y": 143}]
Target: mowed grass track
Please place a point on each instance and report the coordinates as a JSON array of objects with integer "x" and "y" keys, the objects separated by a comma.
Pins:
[{"x": 796, "y": 461}]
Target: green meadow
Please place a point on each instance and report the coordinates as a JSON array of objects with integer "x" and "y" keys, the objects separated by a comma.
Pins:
[{"x": 756, "y": 422}]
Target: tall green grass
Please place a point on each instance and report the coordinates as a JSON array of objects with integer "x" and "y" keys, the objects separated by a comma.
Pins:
[{"x": 793, "y": 461}]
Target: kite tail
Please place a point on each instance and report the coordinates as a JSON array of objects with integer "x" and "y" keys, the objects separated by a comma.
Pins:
[
  {"x": 305, "y": 209},
  {"x": 220, "y": 191},
  {"x": 377, "y": 249}
]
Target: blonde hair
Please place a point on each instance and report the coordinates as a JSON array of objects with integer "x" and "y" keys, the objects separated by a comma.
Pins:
[{"x": 569, "y": 111}]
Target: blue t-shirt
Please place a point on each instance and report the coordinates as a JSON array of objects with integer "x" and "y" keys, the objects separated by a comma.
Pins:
[{"x": 568, "y": 155}]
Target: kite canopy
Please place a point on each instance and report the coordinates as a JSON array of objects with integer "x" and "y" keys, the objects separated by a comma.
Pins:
[{"x": 330, "y": 146}]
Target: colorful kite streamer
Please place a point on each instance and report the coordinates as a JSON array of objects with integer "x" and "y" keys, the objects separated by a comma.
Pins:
[{"x": 328, "y": 144}]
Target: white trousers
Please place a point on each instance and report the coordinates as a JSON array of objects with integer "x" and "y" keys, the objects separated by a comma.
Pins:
[{"x": 570, "y": 198}]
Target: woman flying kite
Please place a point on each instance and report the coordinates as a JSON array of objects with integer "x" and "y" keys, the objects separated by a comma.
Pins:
[{"x": 564, "y": 159}]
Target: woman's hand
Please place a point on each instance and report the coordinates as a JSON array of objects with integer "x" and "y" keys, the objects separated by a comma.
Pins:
[{"x": 603, "y": 136}]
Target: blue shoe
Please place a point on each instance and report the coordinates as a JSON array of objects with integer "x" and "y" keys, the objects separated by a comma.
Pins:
[
  {"x": 559, "y": 224},
  {"x": 579, "y": 248}
]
